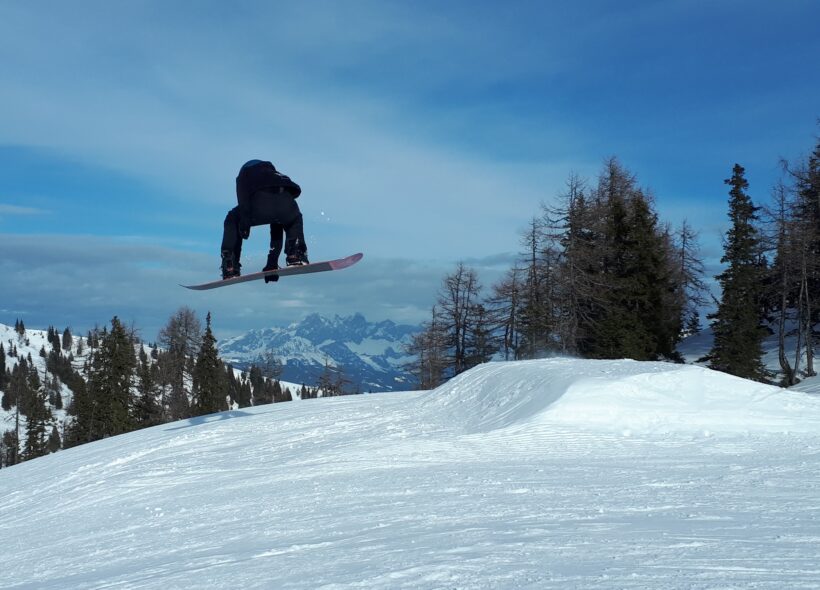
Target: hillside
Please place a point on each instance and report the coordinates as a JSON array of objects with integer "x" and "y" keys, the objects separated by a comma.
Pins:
[
  {"x": 31, "y": 347},
  {"x": 541, "y": 474}
]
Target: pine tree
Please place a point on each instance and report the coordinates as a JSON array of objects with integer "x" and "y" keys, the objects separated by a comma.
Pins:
[
  {"x": 147, "y": 410},
  {"x": 209, "y": 387},
  {"x": 110, "y": 381},
  {"x": 38, "y": 417},
  {"x": 181, "y": 337},
  {"x": 503, "y": 308},
  {"x": 2, "y": 367},
  {"x": 689, "y": 270},
  {"x": 55, "y": 443},
  {"x": 807, "y": 236},
  {"x": 67, "y": 340},
  {"x": 535, "y": 307},
  {"x": 280, "y": 394},
  {"x": 325, "y": 381},
  {"x": 573, "y": 230},
  {"x": 10, "y": 448},
  {"x": 459, "y": 294},
  {"x": 429, "y": 350},
  {"x": 480, "y": 344},
  {"x": 738, "y": 322}
]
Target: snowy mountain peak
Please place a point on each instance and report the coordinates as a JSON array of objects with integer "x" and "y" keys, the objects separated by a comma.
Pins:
[{"x": 370, "y": 355}]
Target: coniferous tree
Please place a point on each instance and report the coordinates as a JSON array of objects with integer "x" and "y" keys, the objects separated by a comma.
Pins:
[
  {"x": 807, "y": 237},
  {"x": 795, "y": 273},
  {"x": 459, "y": 294},
  {"x": 503, "y": 308},
  {"x": 429, "y": 350},
  {"x": 18, "y": 387},
  {"x": 10, "y": 448},
  {"x": 326, "y": 380},
  {"x": 480, "y": 344},
  {"x": 55, "y": 443},
  {"x": 281, "y": 394},
  {"x": 783, "y": 274},
  {"x": 67, "y": 340},
  {"x": 53, "y": 393},
  {"x": 209, "y": 387},
  {"x": 738, "y": 322},
  {"x": 574, "y": 228},
  {"x": 690, "y": 271},
  {"x": 256, "y": 382},
  {"x": 534, "y": 308},
  {"x": 245, "y": 392},
  {"x": 147, "y": 410},
  {"x": 38, "y": 418},
  {"x": 112, "y": 373},
  {"x": 2, "y": 367},
  {"x": 181, "y": 337}
]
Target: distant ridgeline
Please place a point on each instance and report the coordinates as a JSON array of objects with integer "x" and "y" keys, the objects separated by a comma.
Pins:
[{"x": 366, "y": 356}]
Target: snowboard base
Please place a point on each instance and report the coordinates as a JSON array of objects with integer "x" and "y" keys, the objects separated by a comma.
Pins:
[{"x": 304, "y": 269}]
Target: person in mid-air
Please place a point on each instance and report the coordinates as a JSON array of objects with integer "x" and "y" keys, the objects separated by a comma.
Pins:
[{"x": 265, "y": 197}]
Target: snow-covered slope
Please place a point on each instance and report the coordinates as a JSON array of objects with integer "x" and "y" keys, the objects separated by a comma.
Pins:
[
  {"x": 620, "y": 395},
  {"x": 541, "y": 474},
  {"x": 370, "y": 355}
]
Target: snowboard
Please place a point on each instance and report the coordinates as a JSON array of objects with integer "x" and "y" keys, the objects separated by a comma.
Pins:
[{"x": 287, "y": 271}]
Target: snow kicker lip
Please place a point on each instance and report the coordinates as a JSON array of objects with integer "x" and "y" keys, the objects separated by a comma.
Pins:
[{"x": 620, "y": 395}]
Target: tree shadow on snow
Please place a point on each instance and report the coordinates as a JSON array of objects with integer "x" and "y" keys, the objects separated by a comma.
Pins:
[{"x": 209, "y": 418}]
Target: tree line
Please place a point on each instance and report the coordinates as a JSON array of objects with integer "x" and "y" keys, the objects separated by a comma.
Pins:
[
  {"x": 114, "y": 383},
  {"x": 600, "y": 276}
]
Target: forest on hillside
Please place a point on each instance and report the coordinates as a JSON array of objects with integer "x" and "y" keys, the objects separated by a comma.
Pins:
[
  {"x": 601, "y": 276},
  {"x": 59, "y": 390}
]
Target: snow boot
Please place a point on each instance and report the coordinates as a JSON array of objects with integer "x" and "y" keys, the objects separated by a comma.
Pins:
[
  {"x": 273, "y": 264},
  {"x": 296, "y": 253},
  {"x": 230, "y": 266}
]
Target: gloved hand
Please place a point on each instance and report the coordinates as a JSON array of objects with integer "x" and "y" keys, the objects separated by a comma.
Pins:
[
  {"x": 271, "y": 278},
  {"x": 245, "y": 231}
]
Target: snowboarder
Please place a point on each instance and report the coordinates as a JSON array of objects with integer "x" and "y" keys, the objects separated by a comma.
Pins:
[{"x": 265, "y": 197}]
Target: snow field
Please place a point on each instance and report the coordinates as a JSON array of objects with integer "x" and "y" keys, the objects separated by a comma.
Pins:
[{"x": 541, "y": 474}]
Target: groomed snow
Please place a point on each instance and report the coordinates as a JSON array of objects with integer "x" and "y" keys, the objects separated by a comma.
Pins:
[{"x": 542, "y": 474}]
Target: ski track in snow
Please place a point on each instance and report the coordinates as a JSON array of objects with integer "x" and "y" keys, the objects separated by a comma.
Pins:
[{"x": 499, "y": 479}]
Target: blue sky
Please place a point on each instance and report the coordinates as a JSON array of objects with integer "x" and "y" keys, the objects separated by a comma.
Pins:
[{"x": 422, "y": 133}]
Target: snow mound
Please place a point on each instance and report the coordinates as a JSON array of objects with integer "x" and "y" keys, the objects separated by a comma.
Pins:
[{"x": 622, "y": 395}]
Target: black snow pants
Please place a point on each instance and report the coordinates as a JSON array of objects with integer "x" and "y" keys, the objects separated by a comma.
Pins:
[{"x": 277, "y": 209}]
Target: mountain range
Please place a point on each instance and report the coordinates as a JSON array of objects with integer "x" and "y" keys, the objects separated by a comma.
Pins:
[{"x": 370, "y": 356}]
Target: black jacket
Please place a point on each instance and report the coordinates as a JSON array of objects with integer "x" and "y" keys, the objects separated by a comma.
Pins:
[{"x": 255, "y": 176}]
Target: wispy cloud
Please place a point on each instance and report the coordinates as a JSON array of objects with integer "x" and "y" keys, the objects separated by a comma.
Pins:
[
  {"x": 9, "y": 210},
  {"x": 86, "y": 280}
]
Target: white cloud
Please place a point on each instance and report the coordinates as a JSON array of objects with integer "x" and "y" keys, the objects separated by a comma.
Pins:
[{"x": 184, "y": 107}]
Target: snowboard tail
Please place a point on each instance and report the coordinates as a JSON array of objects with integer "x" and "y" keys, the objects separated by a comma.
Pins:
[{"x": 304, "y": 269}]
